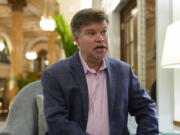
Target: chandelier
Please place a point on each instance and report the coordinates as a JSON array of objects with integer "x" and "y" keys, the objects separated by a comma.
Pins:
[
  {"x": 47, "y": 22},
  {"x": 31, "y": 55}
]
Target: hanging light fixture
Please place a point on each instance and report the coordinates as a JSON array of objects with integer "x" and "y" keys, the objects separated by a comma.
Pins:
[
  {"x": 47, "y": 22},
  {"x": 31, "y": 55},
  {"x": 2, "y": 46},
  {"x": 134, "y": 11}
]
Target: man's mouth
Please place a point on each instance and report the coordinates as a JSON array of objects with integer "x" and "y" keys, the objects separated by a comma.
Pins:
[{"x": 100, "y": 47}]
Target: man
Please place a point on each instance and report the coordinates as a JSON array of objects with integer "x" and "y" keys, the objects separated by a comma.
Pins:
[{"x": 91, "y": 94}]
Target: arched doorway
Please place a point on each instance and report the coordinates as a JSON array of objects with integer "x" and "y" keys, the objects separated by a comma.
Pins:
[{"x": 4, "y": 76}]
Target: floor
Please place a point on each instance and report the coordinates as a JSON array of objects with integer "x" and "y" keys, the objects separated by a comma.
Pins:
[
  {"x": 2, "y": 125},
  {"x": 2, "y": 120}
]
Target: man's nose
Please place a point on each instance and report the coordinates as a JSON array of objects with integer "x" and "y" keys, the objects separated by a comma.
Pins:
[{"x": 99, "y": 37}]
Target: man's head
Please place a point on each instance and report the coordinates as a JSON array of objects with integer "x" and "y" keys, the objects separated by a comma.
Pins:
[
  {"x": 85, "y": 17},
  {"x": 89, "y": 28}
]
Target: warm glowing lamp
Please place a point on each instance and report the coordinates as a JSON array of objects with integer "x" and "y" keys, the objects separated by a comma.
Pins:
[
  {"x": 171, "y": 59},
  {"x": 32, "y": 55},
  {"x": 47, "y": 23},
  {"x": 2, "y": 46},
  {"x": 171, "y": 51}
]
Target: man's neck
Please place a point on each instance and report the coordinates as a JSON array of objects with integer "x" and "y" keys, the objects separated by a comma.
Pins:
[{"x": 94, "y": 64}]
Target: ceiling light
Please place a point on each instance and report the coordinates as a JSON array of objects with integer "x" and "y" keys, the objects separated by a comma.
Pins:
[
  {"x": 134, "y": 11},
  {"x": 32, "y": 55},
  {"x": 47, "y": 23},
  {"x": 2, "y": 46}
]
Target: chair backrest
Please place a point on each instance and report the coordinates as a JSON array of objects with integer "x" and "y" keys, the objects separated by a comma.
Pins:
[{"x": 23, "y": 114}]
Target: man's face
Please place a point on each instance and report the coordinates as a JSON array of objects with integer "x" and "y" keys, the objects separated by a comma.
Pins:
[{"x": 93, "y": 41}]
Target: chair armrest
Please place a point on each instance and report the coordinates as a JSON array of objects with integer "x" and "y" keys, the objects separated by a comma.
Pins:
[
  {"x": 5, "y": 133},
  {"x": 161, "y": 133}
]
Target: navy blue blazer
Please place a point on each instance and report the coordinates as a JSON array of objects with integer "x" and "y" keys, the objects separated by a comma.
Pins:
[{"x": 66, "y": 99}]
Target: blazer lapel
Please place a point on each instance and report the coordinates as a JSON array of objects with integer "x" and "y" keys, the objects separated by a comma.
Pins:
[
  {"x": 78, "y": 74},
  {"x": 110, "y": 86}
]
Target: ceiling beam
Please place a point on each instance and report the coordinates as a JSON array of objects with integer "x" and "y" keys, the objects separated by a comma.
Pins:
[
  {"x": 26, "y": 33},
  {"x": 7, "y": 20},
  {"x": 4, "y": 4},
  {"x": 51, "y": 5},
  {"x": 35, "y": 4},
  {"x": 52, "y": 9},
  {"x": 4, "y": 29},
  {"x": 36, "y": 33}
]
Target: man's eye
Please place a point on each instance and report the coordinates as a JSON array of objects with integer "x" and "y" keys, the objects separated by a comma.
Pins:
[
  {"x": 104, "y": 32},
  {"x": 91, "y": 33}
]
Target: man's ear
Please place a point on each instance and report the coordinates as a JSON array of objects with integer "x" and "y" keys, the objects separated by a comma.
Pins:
[{"x": 76, "y": 38}]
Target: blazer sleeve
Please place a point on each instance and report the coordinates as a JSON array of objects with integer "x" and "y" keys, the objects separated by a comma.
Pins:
[
  {"x": 55, "y": 109},
  {"x": 143, "y": 108}
]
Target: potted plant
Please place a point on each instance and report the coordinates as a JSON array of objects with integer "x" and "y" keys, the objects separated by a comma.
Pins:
[
  {"x": 65, "y": 33},
  {"x": 21, "y": 81}
]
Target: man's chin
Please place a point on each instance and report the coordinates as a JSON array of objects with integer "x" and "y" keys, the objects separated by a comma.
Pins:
[{"x": 100, "y": 57}]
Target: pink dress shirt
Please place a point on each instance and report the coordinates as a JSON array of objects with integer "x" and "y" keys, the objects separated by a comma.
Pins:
[{"x": 98, "y": 118}]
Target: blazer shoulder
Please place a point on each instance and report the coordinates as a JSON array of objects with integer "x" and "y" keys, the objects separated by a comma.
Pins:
[
  {"x": 59, "y": 67},
  {"x": 117, "y": 63}
]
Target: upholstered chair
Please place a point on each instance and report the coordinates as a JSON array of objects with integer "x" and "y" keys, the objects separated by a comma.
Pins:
[{"x": 26, "y": 115}]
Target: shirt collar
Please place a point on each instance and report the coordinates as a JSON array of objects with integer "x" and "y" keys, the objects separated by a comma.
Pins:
[{"x": 86, "y": 67}]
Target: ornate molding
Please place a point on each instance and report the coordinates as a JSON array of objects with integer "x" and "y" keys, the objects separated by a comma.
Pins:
[
  {"x": 141, "y": 43},
  {"x": 17, "y": 5}
]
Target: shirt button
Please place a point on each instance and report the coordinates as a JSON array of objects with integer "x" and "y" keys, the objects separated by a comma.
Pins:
[{"x": 98, "y": 76}]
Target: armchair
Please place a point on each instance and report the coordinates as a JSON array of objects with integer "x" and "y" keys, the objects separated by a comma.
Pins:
[{"x": 26, "y": 115}]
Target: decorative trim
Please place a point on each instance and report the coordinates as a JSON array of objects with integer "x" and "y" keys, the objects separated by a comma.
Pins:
[
  {"x": 176, "y": 123},
  {"x": 17, "y": 5},
  {"x": 7, "y": 39},
  {"x": 141, "y": 41}
]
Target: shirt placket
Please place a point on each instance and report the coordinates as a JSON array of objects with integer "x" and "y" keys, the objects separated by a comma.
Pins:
[{"x": 94, "y": 93}]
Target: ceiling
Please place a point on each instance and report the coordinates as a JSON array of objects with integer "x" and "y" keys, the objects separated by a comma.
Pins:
[{"x": 32, "y": 13}]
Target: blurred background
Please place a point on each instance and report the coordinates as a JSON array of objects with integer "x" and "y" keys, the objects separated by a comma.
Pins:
[{"x": 32, "y": 36}]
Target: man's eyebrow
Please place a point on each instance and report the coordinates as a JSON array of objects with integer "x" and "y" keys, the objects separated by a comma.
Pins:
[{"x": 89, "y": 30}]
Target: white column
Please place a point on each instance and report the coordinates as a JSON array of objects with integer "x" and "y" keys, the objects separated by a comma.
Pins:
[
  {"x": 85, "y": 4},
  {"x": 164, "y": 76},
  {"x": 114, "y": 35},
  {"x": 176, "y": 17},
  {"x": 96, "y": 4}
]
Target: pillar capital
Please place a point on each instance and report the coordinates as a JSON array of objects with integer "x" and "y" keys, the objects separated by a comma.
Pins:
[{"x": 17, "y": 5}]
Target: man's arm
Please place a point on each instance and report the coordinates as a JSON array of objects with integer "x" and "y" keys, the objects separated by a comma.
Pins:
[
  {"x": 143, "y": 108},
  {"x": 56, "y": 112}
]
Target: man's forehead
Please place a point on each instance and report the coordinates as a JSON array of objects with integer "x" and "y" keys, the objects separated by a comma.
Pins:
[{"x": 94, "y": 25}]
